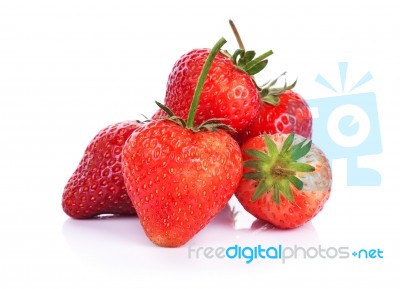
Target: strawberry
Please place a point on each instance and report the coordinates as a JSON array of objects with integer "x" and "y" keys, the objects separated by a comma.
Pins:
[
  {"x": 286, "y": 180},
  {"x": 282, "y": 111},
  {"x": 178, "y": 175},
  {"x": 97, "y": 186},
  {"x": 229, "y": 92},
  {"x": 179, "y": 180}
]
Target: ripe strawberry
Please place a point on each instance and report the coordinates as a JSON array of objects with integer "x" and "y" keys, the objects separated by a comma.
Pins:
[
  {"x": 97, "y": 186},
  {"x": 282, "y": 111},
  {"x": 229, "y": 92},
  {"x": 180, "y": 176},
  {"x": 286, "y": 180},
  {"x": 179, "y": 180}
]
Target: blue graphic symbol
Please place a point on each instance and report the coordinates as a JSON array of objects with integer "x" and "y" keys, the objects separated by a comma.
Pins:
[{"x": 346, "y": 125}]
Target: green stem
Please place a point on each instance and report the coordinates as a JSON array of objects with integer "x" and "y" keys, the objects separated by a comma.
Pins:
[
  {"x": 258, "y": 59},
  {"x": 202, "y": 79}
]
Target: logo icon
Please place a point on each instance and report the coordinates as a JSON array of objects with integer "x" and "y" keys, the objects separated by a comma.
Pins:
[{"x": 346, "y": 125}]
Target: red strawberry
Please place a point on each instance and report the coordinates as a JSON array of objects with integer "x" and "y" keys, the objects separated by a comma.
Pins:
[
  {"x": 281, "y": 111},
  {"x": 179, "y": 180},
  {"x": 229, "y": 92},
  {"x": 97, "y": 186},
  {"x": 179, "y": 176},
  {"x": 286, "y": 180}
]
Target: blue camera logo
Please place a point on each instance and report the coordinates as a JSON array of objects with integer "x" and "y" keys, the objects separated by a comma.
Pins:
[{"x": 346, "y": 125}]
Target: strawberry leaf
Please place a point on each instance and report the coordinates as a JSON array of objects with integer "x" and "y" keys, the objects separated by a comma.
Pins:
[
  {"x": 302, "y": 167},
  {"x": 258, "y": 67},
  {"x": 296, "y": 182},
  {"x": 258, "y": 155},
  {"x": 178, "y": 120},
  {"x": 270, "y": 94},
  {"x": 249, "y": 55},
  {"x": 274, "y": 81},
  {"x": 254, "y": 164},
  {"x": 297, "y": 146},
  {"x": 269, "y": 98},
  {"x": 253, "y": 176},
  {"x": 263, "y": 187},
  {"x": 276, "y": 196},
  {"x": 257, "y": 60},
  {"x": 301, "y": 150},
  {"x": 238, "y": 53},
  {"x": 285, "y": 189},
  {"x": 288, "y": 142},
  {"x": 277, "y": 169},
  {"x": 165, "y": 108},
  {"x": 271, "y": 145}
]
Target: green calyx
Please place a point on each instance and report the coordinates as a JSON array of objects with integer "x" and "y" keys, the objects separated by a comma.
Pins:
[
  {"x": 270, "y": 94},
  {"x": 211, "y": 124},
  {"x": 246, "y": 60},
  {"x": 277, "y": 169}
]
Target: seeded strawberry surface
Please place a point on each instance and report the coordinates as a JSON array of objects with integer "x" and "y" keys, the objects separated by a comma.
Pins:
[
  {"x": 179, "y": 180},
  {"x": 97, "y": 185},
  {"x": 307, "y": 201},
  {"x": 228, "y": 92},
  {"x": 291, "y": 114}
]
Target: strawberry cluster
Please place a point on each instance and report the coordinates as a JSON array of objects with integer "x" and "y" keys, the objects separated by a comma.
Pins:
[{"x": 217, "y": 134}]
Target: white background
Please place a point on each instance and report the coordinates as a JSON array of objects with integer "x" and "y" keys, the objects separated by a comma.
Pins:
[{"x": 70, "y": 68}]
